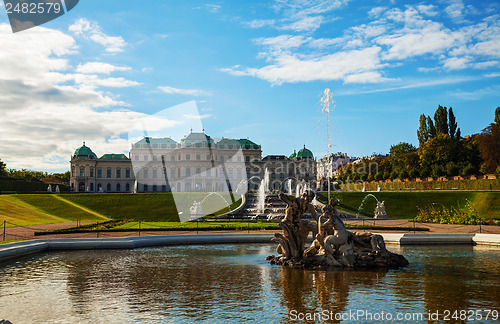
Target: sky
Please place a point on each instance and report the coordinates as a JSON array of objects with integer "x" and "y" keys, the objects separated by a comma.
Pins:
[{"x": 254, "y": 69}]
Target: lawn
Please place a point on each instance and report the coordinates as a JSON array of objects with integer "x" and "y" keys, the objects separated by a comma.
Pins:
[
  {"x": 404, "y": 205},
  {"x": 60, "y": 208},
  {"x": 152, "y": 207}
]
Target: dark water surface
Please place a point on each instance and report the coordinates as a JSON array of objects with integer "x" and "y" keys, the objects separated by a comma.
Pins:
[{"x": 234, "y": 283}]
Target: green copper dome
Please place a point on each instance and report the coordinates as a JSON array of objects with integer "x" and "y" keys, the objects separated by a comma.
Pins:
[
  {"x": 305, "y": 154},
  {"x": 84, "y": 152},
  {"x": 293, "y": 156}
]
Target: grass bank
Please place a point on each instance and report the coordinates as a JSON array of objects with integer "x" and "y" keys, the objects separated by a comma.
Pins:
[{"x": 404, "y": 205}]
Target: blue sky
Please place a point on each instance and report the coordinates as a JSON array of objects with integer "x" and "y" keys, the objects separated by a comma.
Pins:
[{"x": 256, "y": 69}]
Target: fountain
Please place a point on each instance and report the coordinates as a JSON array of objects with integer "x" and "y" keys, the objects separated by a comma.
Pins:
[
  {"x": 333, "y": 245},
  {"x": 289, "y": 186},
  {"x": 263, "y": 190},
  {"x": 360, "y": 208}
]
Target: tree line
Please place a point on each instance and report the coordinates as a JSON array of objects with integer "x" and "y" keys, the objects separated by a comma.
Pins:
[
  {"x": 442, "y": 151},
  {"x": 32, "y": 175}
]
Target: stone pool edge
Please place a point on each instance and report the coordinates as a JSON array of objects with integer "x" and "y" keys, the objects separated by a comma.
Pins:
[{"x": 11, "y": 251}]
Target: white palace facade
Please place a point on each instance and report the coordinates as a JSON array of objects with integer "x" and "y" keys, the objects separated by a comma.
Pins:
[{"x": 198, "y": 163}]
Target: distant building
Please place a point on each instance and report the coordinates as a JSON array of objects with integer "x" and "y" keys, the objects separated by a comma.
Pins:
[
  {"x": 198, "y": 163},
  {"x": 328, "y": 166},
  {"x": 109, "y": 173}
]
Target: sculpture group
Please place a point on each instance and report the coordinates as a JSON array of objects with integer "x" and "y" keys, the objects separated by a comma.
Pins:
[{"x": 333, "y": 244}]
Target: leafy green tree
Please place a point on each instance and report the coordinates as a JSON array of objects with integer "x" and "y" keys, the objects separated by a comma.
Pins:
[
  {"x": 403, "y": 156},
  {"x": 454, "y": 130},
  {"x": 452, "y": 169},
  {"x": 469, "y": 170},
  {"x": 439, "y": 151},
  {"x": 3, "y": 170},
  {"x": 437, "y": 171},
  {"x": 441, "y": 120},
  {"x": 423, "y": 133},
  {"x": 379, "y": 176},
  {"x": 489, "y": 146},
  {"x": 497, "y": 115},
  {"x": 414, "y": 173},
  {"x": 431, "y": 127}
]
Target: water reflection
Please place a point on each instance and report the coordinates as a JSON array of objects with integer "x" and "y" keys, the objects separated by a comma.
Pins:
[{"x": 234, "y": 283}]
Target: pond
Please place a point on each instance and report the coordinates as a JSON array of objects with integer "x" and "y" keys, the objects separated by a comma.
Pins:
[{"x": 234, "y": 283}]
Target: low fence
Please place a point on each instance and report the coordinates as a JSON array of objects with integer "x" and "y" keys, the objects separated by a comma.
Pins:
[{"x": 15, "y": 232}]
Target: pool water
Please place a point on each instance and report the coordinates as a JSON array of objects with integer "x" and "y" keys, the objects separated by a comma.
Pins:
[{"x": 233, "y": 283}]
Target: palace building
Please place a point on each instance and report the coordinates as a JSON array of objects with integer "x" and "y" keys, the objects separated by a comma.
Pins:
[{"x": 198, "y": 163}]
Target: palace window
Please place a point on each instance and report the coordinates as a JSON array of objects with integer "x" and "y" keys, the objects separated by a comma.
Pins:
[
  {"x": 118, "y": 173},
  {"x": 118, "y": 187},
  {"x": 108, "y": 173},
  {"x": 99, "y": 173},
  {"x": 127, "y": 187},
  {"x": 108, "y": 187},
  {"x": 188, "y": 172},
  {"x": 145, "y": 173},
  {"x": 155, "y": 174},
  {"x": 91, "y": 172},
  {"x": 188, "y": 157},
  {"x": 82, "y": 171},
  {"x": 145, "y": 157},
  {"x": 127, "y": 173}
]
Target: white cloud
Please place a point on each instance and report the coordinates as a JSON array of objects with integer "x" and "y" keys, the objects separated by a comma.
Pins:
[
  {"x": 336, "y": 66},
  {"x": 477, "y": 94},
  {"x": 47, "y": 110},
  {"x": 455, "y": 9},
  {"x": 100, "y": 67},
  {"x": 307, "y": 23},
  {"x": 259, "y": 23},
  {"x": 213, "y": 8},
  {"x": 188, "y": 92},
  {"x": 91, "y": 30}
]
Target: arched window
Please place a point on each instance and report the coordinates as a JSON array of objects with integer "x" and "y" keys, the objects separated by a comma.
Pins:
[
  {"x": 127, "y": 187},
  {"x": 108, "y": 187},
  {"x": 118, "y": 187}
]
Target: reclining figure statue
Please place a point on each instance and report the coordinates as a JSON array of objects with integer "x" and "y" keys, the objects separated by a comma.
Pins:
[{"x": 333, "y": 244}]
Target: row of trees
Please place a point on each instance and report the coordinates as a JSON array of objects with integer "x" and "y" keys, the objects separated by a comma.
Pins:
[
  {"x": 32, "y": 175},
  {"x": 442, "y": 151}
]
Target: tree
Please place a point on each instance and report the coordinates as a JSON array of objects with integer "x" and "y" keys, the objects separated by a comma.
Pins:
[
  {"x": 497, "y": 115},
  {"x": 403, "y": 156},
  {"x": 423, "y": 133},
  {"x": 452, "y": 124},
  {"x": 431, "y": 127},
  {"x": 489, "y": 146},
  {"x": 439, "y": 151},
  {"x": 441, "y": 120},
  {"x": 3, "y": 170}
]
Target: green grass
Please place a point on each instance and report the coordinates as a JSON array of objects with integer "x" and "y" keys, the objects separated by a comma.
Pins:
[
  {"x": 152, "y": 207},
  {"x": 53, "y": 205},
  {"x": 404, "y": 205},
  {"x": 7, "y": 242}
]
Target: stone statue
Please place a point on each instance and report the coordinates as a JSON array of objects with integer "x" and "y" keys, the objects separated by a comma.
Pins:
[
  {"x": 196, "y": 209},
  {"x": 380, "y": 212},
  {"x": 295, "y": 229},
  {"x": 333, "y": 244}
]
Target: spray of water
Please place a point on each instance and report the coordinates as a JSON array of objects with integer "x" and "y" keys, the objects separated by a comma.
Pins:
[
  {"x": 328, "y": 104},
  {"x": 263, "y": 189}
]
